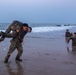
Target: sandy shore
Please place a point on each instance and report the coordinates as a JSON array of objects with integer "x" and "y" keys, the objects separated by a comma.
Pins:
[{"x": 41, "y": 56}]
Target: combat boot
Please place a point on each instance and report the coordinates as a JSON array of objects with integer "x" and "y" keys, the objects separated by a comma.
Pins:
[
  {"x": 6, "y": 59},
  {"x": 18, "y": 59}
]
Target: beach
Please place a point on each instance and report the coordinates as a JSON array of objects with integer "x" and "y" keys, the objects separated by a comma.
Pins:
[
  {"x": 40, "y": 26},
  {"x": 41, "y": 56}
]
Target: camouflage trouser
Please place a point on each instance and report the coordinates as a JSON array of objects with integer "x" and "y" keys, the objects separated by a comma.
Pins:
[{"x": 12, "y": 48}]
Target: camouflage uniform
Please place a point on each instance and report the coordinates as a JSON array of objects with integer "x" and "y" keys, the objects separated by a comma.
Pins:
[
  {"x": 67, "y": 36},
  {"x": 16, "y": 42},
  {"x": 73, "y": 38}
]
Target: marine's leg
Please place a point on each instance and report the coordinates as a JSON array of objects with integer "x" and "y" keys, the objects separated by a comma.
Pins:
[
  {"x": 20, "y": 51},
  {"x": 73, "y": 48},
  {"x": 11, "y": 49}
]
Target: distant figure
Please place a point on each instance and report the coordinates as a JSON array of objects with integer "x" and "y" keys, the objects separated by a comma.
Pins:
[
  {"x": 73, "y": 38},
  {"x": 67, "y": 35}
]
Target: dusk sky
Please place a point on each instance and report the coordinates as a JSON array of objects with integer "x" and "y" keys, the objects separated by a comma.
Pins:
[{"x": 38, "y": 11}]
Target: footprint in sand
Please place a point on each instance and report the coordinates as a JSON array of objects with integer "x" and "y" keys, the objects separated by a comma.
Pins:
[
  {"x": 47, "y": 54},
  {"x": 66, "y": 62}
]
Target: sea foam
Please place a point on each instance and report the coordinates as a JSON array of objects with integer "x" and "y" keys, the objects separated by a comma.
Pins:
[{"x": 49, "y": 28}]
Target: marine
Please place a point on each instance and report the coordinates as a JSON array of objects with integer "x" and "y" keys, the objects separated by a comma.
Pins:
[
  {"x": 73, "y": 38},
  {"x": 19, "y": 30}
]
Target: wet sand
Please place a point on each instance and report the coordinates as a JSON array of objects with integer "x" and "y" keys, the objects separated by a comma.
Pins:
[{"x": 41, "y": 56}]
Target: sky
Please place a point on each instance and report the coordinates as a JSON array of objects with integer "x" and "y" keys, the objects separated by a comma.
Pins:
[{"x": 38, "y": 11}]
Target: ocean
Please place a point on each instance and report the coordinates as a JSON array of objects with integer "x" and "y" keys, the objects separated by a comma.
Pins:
[{"x": 44, "y": 30}]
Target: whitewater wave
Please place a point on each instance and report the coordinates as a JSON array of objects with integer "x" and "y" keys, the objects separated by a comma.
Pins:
[
  {"x": 2, "y": 30},
  {"x": 49, "y": 29}
]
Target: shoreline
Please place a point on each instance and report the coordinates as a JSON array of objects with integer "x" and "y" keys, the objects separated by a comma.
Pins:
[{"x": 40, "y": 57}]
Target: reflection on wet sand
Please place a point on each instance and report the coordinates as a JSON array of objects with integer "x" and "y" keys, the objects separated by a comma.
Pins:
[{"x": 18, "y": 70}]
